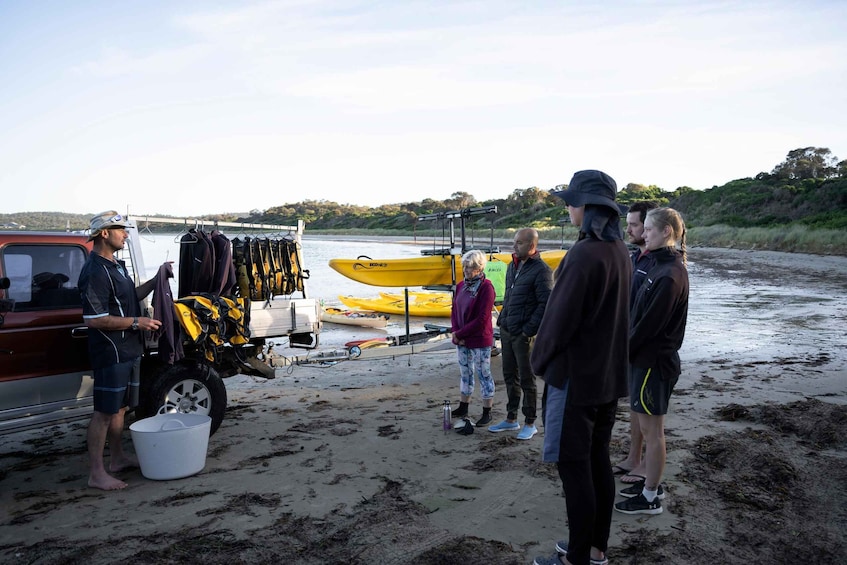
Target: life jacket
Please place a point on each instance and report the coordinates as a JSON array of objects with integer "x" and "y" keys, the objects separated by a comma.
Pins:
[
  {"x": 210, "y": 321},
  {"x": 495, "y": 271},
  {"x": 239, "y": 257}
]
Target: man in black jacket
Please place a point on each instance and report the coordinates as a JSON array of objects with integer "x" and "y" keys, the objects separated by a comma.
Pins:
[{"x": 528, "y": 284}]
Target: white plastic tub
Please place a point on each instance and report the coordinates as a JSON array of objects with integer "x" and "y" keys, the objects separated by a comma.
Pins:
[{"x": 171, "y": 446}]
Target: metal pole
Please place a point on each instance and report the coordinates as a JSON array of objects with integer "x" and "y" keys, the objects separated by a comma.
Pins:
[{"x": 406, "y": 292}]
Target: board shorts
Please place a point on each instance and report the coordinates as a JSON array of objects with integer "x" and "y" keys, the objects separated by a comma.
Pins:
[
  {"x": 117, "y": 386},
  {"x": 649, "y": 393}
]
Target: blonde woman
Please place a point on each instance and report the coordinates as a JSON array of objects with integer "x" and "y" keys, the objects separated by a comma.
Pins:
[
  {"x": 473, "y": 334},
  {"x": 658, "y": 317}
]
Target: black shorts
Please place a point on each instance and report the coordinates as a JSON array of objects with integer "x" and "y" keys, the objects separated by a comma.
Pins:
[
  {"x": 117, "y": 386},
  {"x": 649, "y": 393}
]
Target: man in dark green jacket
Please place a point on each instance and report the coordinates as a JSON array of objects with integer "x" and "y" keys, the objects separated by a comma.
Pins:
[{"x": 528, "y": 284}]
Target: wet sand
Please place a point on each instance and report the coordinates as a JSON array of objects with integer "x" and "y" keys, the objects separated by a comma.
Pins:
[{"x": 348, "y": 462}]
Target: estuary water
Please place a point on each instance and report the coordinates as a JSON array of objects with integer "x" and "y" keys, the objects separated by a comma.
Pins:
[{"x": 754, "y": 305}]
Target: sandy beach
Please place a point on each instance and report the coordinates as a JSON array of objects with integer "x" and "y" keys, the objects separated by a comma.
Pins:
[{"x": 348, "y": 463}]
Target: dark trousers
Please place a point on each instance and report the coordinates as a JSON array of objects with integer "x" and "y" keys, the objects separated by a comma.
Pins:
[
  {"x": 517, "y": 374},
  {"x": 586, "y": 473}
]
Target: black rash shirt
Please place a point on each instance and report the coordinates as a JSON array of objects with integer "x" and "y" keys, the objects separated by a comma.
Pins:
[{"x": 107, "y": 290}]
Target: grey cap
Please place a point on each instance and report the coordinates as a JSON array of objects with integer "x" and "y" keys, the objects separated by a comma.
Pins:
[{"x": 104, "y": 221}]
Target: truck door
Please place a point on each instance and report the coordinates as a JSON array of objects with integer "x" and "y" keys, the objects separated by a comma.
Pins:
[{"x": 43, "y": 342}]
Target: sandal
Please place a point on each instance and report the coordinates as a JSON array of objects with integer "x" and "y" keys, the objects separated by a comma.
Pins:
[
  {"x": 632, "y": 478},
  {"x": 618, "y": 470}
]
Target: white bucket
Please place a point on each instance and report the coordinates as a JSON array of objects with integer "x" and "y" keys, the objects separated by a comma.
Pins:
[{"x": 171, "y": 446}]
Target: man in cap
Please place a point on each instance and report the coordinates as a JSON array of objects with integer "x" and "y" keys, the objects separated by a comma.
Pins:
[
  {"x": 111, "y": 310},
  {"x": 581, "y": 352}
]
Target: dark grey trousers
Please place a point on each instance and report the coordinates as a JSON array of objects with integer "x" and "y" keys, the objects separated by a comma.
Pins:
[{"x": 517, "y": 375}]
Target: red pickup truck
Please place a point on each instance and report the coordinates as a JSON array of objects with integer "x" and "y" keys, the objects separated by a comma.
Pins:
[{"x": 45, "y": 376}]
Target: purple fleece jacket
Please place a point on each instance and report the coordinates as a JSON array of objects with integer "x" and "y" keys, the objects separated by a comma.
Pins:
[{"x": 471, "y": 315}]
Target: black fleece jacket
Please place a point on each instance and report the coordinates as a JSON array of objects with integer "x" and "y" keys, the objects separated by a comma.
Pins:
[
  {"x": 659, "y": 315},
  {"x": 527, "y": 291},
  {"x": 583, "y": 338}
]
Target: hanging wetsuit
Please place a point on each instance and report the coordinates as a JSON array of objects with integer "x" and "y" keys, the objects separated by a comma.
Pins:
[
  {"x": 170, "y": 345},
  {"x": 224, "y": 280}
]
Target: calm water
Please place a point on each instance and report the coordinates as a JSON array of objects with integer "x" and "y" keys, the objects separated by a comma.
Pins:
[{"x": 738, "y": 307}]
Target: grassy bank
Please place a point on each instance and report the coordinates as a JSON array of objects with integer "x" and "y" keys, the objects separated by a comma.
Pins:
[{"x": 792, "y": 239}]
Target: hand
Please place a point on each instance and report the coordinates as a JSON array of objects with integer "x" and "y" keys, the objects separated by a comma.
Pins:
[{"x": 149, "y": 324}]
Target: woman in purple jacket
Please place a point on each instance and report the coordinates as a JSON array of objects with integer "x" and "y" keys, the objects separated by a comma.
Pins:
[{"x": 473, "y": 334}]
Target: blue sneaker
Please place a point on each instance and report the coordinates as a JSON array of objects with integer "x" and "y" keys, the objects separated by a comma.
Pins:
[
  {"x": 527, "y": 431},
  {"x": 562, "y": 549},
  {"x": 504, "y": 426}
]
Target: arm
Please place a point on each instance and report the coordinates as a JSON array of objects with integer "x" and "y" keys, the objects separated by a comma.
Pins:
[
  {"x": 542, "y": 286},
  {"x": 563, "y": 314},
  {"x": 147, "y": 287},
  {"x": 655, "y": 313},
  {"x": 109, "y": 322},
  {"x": 454, "y": 315},
  {"x": 481, "y": 315}
]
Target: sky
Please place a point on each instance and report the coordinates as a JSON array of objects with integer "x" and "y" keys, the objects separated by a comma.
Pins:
[{"x": 192, "y": 107}]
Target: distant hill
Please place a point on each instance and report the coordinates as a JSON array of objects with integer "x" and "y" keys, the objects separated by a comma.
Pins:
[{"x": 809, "y": 188}]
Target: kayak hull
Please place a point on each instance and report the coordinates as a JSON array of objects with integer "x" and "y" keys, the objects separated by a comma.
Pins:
[
  {"x": 438, "y": 307},
  {"x": 429, "y": 270},
  {"x": 363, "y": 318}
]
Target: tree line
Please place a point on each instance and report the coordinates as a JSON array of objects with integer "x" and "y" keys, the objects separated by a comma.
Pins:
[{"x": 808, "y": 188}]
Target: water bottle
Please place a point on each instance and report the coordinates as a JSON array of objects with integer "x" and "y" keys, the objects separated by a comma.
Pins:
[{"x": 448, "y": 417}]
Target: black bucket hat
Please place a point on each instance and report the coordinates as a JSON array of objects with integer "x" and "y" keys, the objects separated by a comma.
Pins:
[{"x": 592, "y": 187}]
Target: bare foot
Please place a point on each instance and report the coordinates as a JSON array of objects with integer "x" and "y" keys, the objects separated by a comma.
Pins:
[
  {"x": 124, "y": 463},
  {"x": 106, "y": 482}
]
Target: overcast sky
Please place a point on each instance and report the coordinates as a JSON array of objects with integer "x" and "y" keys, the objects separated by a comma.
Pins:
[{"x": 195, "y": 107}]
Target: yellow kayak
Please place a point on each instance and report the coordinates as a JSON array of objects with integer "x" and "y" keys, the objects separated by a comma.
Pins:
[
  {"x": 368, "y": 319},
  {"x": 429, "y": 270},
  {"x": 421, "y": 304}
]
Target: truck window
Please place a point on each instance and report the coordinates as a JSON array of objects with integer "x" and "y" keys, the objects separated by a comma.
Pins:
[{"x": 43, "y": 277}]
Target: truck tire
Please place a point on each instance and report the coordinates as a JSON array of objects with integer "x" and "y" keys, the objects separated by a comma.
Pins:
[{"x": 191, "y": 389}]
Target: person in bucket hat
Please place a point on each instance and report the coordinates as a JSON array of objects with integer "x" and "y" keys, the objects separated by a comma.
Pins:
[
  {"x": 581, "y": 353},
  {"x": 104, "y": 221},
  {"x": 591, "y": 187},
  {"x": 111, "y": 310}
]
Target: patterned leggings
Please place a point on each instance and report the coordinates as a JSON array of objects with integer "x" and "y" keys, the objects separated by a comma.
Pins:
[{"x": 471, "y": 361}]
